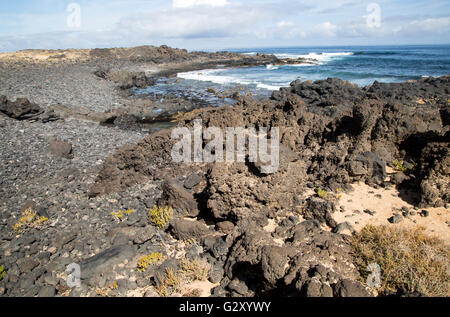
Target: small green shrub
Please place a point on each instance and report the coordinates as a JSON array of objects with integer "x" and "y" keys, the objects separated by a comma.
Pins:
[
  {"x": 160, "y": 216},
  {"x": 29, "y": 219},
  {"x": 322, "y": 193},
  {"x": 2, "y": 272},
  {"x": 399, "y": 166},
  {"x": 120, "y": 215},
  {"x": 148, "y": 260}
]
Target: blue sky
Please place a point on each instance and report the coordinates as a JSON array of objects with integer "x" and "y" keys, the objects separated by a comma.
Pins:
[{"x": 221, "y": 24}]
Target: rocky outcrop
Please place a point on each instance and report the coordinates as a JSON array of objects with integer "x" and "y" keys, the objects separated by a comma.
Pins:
[
  {"x": 24, "y": 110},
  {"x": 21, "y": 109},
  {"x": 310, "y": 262},
  {"x": 126, "y": 79},
  {"x": 434, "y": 173},
  {"x": 332, "y": 134},
  {"x": 180, "y": 199}
]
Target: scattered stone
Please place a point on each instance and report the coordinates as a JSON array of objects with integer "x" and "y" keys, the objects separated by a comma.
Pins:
[
  {"x": 120, "y": 239},
  {"x": 106, "y": 260},
  {"x": 399, "y": 178},
  {"x": 369, "y": 165},
  {"x": 186, "y": 229},
  {"x": 344, "y": 228},
  {"x": 145, "y": 234},
  {"x": 216, "y": 273},
  {"x": 61, "y": 149},
  {"x": 47, "y": 291},
  {"x": 28, "y": 265},
  {"x": 350, "y": 288},
  {"x": 238, "y": 287},
  {"x": 21, "y": 109},
  {"x": 370, "y": 212},
  {"x": 225, "y": 226},
  {"x": 50, "y": 280},
  {"x": 220, "y": 248},
  {"x": 192, "y": 181},
  {"x": 396, "y": 219},
  {"x": 181, "y": 200},
  {"x": 151, "y": 293},
  {"x": 321, "y": 210}
]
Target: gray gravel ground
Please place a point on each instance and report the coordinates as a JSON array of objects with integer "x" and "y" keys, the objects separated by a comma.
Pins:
[
  {"x": 70, "y": 85},
  {"x": 59, "y": 187}
]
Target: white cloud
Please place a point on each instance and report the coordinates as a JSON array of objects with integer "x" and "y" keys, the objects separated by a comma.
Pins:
[
  {"x": 193, "y": 3},
  {"x": 327, "y": 29},
  {"x": 233, "y": 20},
  {"x": 285, "y": 24},
  {"x": 431, "y": 25}
]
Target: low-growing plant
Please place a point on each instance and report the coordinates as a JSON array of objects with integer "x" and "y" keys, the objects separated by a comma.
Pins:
[
  {"x": 195, "y": 270},
  {"x": 151, "y": 259},
  {"x": 29, "y": 219},
  {"x": 120, "y": 215},
  {"x": 2, "y": 272},
  {"x": 104, "y": 292},
  {"x": 160, "y": 216},
  {"x": 170, "y": 284},
  {"x": 400, "y": 166},
  {"x": 186, "y": 272},
  {"x": 322, "y": 193},
  {"x": 190, "y": 241},
  {"x": 410, "y": 261}
]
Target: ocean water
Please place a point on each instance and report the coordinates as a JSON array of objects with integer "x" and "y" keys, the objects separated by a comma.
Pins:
[{"x": 361, "y": 65}]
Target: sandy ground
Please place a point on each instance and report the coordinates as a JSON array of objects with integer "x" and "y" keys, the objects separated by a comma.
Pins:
[
  {"x": 385, "y": 203},
  {"x": 48, "y": 56}
]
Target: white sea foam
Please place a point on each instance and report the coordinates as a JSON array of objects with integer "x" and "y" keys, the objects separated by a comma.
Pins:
[
  {"x": 268, "y": 87},
  {"x": 214, "y": 76},
  {"x": 271, "y": 67},
  {"x": 321, "y": 58},
  {"x": 272, "y": 87}
]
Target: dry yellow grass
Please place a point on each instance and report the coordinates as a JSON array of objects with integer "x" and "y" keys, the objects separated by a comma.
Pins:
[
  {"x": 410, "y": 260},
  {"x": 176, "y": 281},
  {"x": 46, "y": 56},
  {"x": 195, "y": 270}
]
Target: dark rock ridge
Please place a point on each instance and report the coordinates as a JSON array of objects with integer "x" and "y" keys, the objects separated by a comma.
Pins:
[{"x": 339, "y": 133}]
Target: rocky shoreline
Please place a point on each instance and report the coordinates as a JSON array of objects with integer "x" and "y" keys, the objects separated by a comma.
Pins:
[{"x": 77, "y": 153}]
